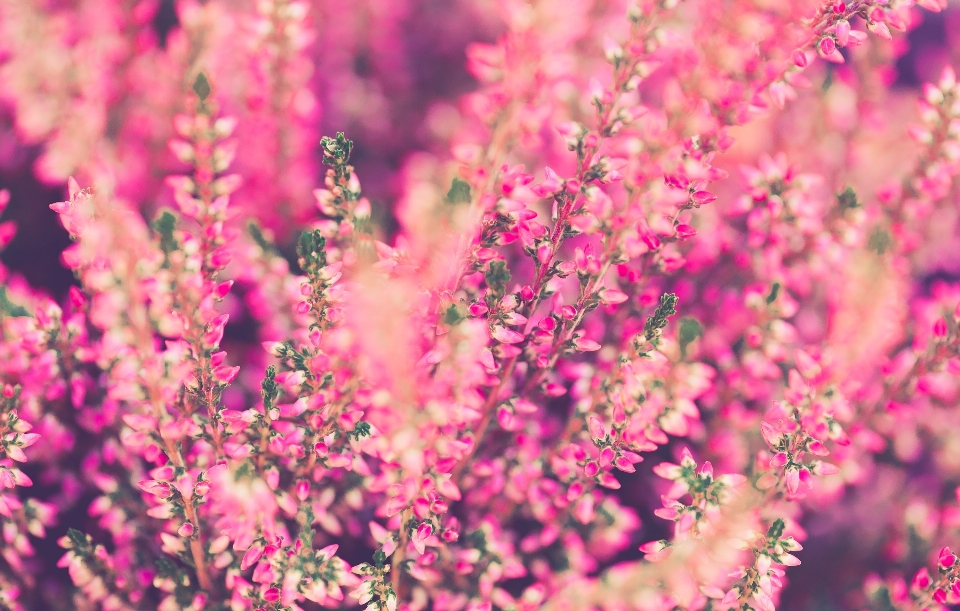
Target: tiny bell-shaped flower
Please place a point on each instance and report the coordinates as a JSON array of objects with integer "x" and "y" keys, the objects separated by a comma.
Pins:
[
  {"x": 947, "y": 558},
  {"x": 702, "y": 198},
  {"x": 770, "y": 435},
  {"x": 827, "y": 49},
  {"x": 505, "y": 419},
  {"x": 624, "y": 464},
  {"x": 940, "y": 328},
  {"x": 843, "y": 32},
  {"x": 201, "y": 489},
  {"x": 654, "y": 550},
  {"x": 572, "y": 133},
  {"x": 827, "y": 46},
  {"x": 596, "y": 428},
  {"x": 824, "y": 468},
  {"x": 214, "y": 334},
  {"x": 251, "y": 556},
  {"x": 940, "y": 596},
  {"x": 879, "y": 27},
  {"x": 225, "y": 375},
  {"x": 585, "y": 345},
  {"x": 607, "y": 480},
  {"x": 419, "y": 538},
  {"x": 303, "y": 489},
  {"x": 612, "y": 50},
  {"x": 800, "y": 58},
  {"x": 575, "y": 491},
  {"x": 732, "y": 596},
  {"x": 793, "y": 480},
  {"x": 506, "y": 336}
]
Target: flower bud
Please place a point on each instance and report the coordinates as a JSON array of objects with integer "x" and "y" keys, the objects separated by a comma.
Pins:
[
  {"x": 827, "y": 46},
  {"x": 843, "y": 32},
  {"x": 940, "y": 328},
  {"x": 800, "y": 58}
]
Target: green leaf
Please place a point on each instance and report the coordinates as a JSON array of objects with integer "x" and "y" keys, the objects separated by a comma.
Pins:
[
  {"x": 256, "y": 232},
  {"x": 452, "y": 316},
  {"x": 9, "y": 307},
  {"x": 336, "y": 151},
  {"x": 655, "y": 324},
  {"x": 690, "y": 330},
  {"x": 668, "y": 305},
  {"x": 847, "y": 199},
  {"x": 497, "y": 276},
  {"x": 361, "y": 430},
  {"x": 201, "y": 86},
  {"x": 307, "y": 245},
  {"x": 269, "y": 389},
  {"x": 77, "y": 538},
  {"x": 828, "y": 79},
  {"x": 776, "y": 529},
  {"x": 459, "y": 192},
  {"x": 774, "y": 291},
  {"x": 879, "y": 240},
  {"x": 164, "y": 226},
  {"x": 310, "y": 248}
]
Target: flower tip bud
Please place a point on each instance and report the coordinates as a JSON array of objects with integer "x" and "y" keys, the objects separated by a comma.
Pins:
[
  {"x": 800, "y": 58},
  {"x": 940, "y": 328},
  {"x": 827, "y": 46},
  {"x": 947, "y": 559}
]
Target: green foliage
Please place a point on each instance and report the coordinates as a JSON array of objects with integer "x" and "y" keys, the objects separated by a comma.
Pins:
[
  {"x": 497, "y": 276},
  {"x": 80, "y": 541},
  {"x": 655, "y": 324},
  {"x": 9, "y": 406},
  {"x": 310, "y": 249},
  {"x": 776, "y": 529},
  {"x": 8, "y": 307},
  {"x": 459, "y": 192},
  {"x": 269, "y": 389},
  {"x": 164, "y": 226},
  {"x": 477, "y": 540},
  {"x": 201, "y": 87},
  {"x": 879, "y": 240},
  {"x": 452, "y": 315},
  {"x": 256, "y": 232},
  {"x": 848, "y": 199},
  {"x": 882, "y": 600},
  {"x": 337, "y": 150},
  {"x": 690, "y": 330},
  {"x": 361, "y": 430},
  {"x": 183, "y": 594},
  {"x": 827, "y": 79},
  {"x": 774, "y": 291}
]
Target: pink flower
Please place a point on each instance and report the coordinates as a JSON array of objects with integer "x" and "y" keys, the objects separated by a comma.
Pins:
[{"x": 506, "y": 336}]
